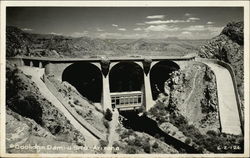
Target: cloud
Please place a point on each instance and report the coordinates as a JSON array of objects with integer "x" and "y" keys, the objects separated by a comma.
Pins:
[
  {"x": 155, "y": 17},
  {"x": 208, "y": 29},
  {"x": 26, "y": 29},
  {"x": 114, "y": 25},
  {"x": 99, "y": 30},
  {"x": 193, "y": 19},
  {"x": 195, "y": 28},
  {"x": 121, "y": 29},
  {"x": 140, "y": 24},
  {"x": 215, "y": 29},
  {"x": 210, "y": 22},
  {"x": 186, "y": 33},
  {"x": 165, "y": 21},
  {"x": 138, "y": 29},
  {"x": 106, "y": 35},
  {"x": 158, "y": 28},
  {"x": 187, "y": 14},
  {"x": 79, "y": 34},
  {"x": 54, "y": 33}
]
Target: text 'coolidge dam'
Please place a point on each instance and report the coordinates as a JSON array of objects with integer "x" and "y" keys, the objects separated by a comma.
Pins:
[{"x": 128, "y": 83}]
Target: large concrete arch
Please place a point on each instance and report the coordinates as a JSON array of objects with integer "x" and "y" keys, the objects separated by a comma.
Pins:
[
  {"x": 159, "y": 73},
  {"x": 86, "y": 78},
  {"x": 126, "y": 76}
]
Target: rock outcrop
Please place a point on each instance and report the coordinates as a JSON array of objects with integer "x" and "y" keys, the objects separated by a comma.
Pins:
[
  {"x": 27, "y": 109},
  {"x": 228, "y": 47}
]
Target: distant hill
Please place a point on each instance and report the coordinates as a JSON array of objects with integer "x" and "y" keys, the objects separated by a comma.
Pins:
[{"x": 20, "y": 43}]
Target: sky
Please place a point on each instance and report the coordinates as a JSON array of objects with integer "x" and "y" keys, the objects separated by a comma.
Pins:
[{"x": 124, "y": 22}]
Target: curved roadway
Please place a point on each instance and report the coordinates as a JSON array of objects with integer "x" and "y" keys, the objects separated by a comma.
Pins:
[
  {"x": 36, "y": 74},
  {"x": 228, "y": 109}
]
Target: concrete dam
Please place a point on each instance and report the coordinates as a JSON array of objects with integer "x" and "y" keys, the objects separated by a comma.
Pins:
[{"x": 128, "y": 83}]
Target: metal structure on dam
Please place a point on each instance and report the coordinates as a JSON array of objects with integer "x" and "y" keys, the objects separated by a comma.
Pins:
[{"x": 127, "y": 83}]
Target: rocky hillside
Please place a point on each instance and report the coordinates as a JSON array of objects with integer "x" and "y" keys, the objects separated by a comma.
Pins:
[
  {"x": 188, "y": 110},
  {"x": 31, "y": 118},
  {"x": 229, "y": 47},
  {"x": 25, "y": 44}
]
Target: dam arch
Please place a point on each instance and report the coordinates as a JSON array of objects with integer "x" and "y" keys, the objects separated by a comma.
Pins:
[
  {"x": 126, "y": 76},
  {"x": 159, "y": 74},
  {"x": 126, "y": 81},
  {"x": 86, "y": 78}
]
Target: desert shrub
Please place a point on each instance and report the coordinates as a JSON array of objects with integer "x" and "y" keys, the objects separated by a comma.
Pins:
[
  {"x": 90, "y": 111},
  {"x": 106, "y": 123},
  {"x": 146, "y": 147},
  {"x": 125, "y": 134},
  {"x": 211, "y": 133},
  {"x": 71, "y": 104},
  {"x": 204, "y": 106},
  {"x": 27, "y": 107},
  {"x": 142, "y": 109},
  {"x": 108, "y": 115},
  {"x": 69, "y": 89},
  {"x": 13, "y": 82},
  {"x": 137, "y": 141},
  {"x": 76, "y": 102},
  {"x": 79, "y": 112},
  {"x": 178, "y": 120},
  {"x": 103, "y": 143},
  {"x": 131, "y": 142},
  {"x": 188, "y": 141},
  {"x": 29, "y": 76},
  {"x": 173, "y": 133},
  {"x": 130, "y": 150},
  {"x": 155, "y": 145}
]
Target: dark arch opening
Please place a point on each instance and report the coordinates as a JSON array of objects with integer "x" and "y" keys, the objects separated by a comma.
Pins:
[
  {"x": 159, "y": 74},
  {"x": 36, "y": 63},
  {"x": 86, "y": 78},
  {"x": 126, "y": 76},
  {"x": 26, "y": 62}
]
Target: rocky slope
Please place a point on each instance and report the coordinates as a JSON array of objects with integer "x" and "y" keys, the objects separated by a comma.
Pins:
[
  {"x": 190, "y": 110},
  {"x": 229, "y": 47},
  {"x": 31, "y": 115},
  {"x": 133, "y": 142}
]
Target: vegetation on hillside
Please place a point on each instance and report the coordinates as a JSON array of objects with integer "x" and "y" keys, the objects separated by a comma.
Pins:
[
  {"x": 132, "y": 142},
  {"x": 27, "y": 107},
  {"x": 229, "y": 47}
]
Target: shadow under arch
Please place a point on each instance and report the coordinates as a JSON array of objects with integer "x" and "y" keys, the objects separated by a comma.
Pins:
[
  {"x": 126, "y": 76},
  {"x": 159, "y": 74},
  {"x": 86, "y": 78}
]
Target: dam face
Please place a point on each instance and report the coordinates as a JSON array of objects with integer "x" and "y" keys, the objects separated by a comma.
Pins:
[{"x": 126, "y": 83}]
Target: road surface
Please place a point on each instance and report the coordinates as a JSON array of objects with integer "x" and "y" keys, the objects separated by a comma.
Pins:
[
  {"x": 228, "y": 109},
  {"x": 36, "y": 74}
]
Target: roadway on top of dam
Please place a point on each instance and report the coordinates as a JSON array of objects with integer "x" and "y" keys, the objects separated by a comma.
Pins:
[{"x": 111, "y": 58}]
